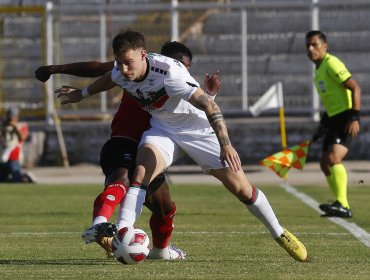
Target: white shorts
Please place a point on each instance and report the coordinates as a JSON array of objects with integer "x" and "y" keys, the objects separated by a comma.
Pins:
[{"x": 203, "y": 149}]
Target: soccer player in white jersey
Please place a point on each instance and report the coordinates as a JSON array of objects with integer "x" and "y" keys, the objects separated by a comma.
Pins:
[{"x": 185, "y": 119}]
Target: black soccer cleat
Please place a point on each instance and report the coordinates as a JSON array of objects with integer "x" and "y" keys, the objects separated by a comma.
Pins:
[
  {"x": 99, "y": 230},
  {"x": 336, "y": 210}
]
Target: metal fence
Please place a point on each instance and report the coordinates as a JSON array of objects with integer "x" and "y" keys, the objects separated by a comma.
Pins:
[{"x": 254, "y": 44}]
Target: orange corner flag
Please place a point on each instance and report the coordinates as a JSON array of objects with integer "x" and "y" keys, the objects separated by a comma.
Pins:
[{"x": 281, "y": 162}]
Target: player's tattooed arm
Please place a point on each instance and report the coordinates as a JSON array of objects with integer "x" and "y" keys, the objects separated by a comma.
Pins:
[
  {"x": 203, "y": 102},
  {"x": 227, "y": 154}
]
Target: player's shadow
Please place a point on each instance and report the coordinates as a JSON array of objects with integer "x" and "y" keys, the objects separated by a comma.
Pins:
[{"x": 59, "y": 262}]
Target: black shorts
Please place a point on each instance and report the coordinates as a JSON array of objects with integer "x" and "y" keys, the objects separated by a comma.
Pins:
[
  {"x": 336, "y": 133},
  {"x": 120, "y": 152}
]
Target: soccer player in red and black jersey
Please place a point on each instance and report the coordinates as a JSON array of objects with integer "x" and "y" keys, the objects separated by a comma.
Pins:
[{"x": 117, "y": 158}]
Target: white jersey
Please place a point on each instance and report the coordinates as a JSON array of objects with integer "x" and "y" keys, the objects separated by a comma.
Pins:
[{"x": 164, "y": 93}]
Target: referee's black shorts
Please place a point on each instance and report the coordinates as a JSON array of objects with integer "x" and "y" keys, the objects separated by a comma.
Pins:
[{"x": 336, "y": 133}]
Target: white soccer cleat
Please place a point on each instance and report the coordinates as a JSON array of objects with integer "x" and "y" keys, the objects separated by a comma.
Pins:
[
  {"x": 169, "y": 253},
  {"x": 99, "y": 230}
]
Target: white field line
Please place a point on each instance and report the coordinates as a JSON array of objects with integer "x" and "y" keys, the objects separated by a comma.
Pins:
[
  {"x": 40, "y": 234},
  {"x": 358, "y": 232}
]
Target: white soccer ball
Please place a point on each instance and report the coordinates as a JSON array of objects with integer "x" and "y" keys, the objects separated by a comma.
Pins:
[{"x": 130, "y": 245}]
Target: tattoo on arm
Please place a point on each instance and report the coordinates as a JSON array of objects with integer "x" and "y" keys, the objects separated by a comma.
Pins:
[
  {"x": 218, "y": 124},
  {"x": 202, "y": 102},
  {"x": 215, "y": 118}
]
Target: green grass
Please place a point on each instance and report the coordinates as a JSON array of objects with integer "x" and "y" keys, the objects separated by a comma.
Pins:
[{"x": 41, "y": 227}]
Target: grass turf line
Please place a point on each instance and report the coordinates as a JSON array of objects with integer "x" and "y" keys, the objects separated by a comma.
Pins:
[{"x": 222, "y": 239}]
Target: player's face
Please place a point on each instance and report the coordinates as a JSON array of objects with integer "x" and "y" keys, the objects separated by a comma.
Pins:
[
  {"x": 132, "y": 64},
  {"x": 183, "y": 58},
  {"x": 316, "y": 48}
]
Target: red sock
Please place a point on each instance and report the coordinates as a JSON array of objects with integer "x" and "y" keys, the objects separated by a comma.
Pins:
[
  {"x": 162, "y": 228},
  {"x": 107, "y": 201}
]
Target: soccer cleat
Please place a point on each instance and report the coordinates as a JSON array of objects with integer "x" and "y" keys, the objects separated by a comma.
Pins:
[
  {"x": 99, "y": 230},
  {"x": 293, "y": 246},
  {"x": 169, "y": 253},
  {"x": 336, "y": 210},
  {"x": 106, "y": 244}
]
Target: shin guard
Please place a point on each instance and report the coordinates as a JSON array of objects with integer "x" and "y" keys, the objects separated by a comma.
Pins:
[{"x": 107, "y": 201}]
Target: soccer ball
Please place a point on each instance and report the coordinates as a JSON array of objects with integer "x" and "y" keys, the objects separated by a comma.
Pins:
[{"x": 130, "y": 245}]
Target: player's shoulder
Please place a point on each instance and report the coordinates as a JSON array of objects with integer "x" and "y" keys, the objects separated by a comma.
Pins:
[
  {"x": 163, "y": 64},
  {"x": 333, "y": 61}
]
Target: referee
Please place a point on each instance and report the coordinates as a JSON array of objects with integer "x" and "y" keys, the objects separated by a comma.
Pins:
[{"x": 340, "y": 95}]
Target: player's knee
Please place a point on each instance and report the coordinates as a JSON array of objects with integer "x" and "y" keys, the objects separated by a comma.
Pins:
[
  {"x": 119, "y": 175},
  {"x": 249, "y": 199}
]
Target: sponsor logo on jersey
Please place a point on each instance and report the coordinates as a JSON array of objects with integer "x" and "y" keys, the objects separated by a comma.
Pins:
[
  {"x": 158, "y": 70},
  {"x": 151, "y": 100},
  {"x": 151, "y": 82}
]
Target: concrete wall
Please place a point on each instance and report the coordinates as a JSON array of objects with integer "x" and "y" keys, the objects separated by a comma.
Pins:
[{"x": 253, "y": 138}]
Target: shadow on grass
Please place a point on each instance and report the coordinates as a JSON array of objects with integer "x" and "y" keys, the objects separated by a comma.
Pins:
[{"x": 59, "y": 262}]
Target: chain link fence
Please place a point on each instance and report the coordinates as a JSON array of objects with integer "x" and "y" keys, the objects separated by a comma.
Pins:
[{"x": 254, "y": 44}]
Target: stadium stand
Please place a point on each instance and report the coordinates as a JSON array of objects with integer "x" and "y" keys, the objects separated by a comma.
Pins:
[
  {"x": 275, "y": 45},
  {"x": 275, "y": 48}
]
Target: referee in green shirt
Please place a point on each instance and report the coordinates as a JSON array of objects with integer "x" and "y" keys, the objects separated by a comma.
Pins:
[{"x": 340, "y": 95}]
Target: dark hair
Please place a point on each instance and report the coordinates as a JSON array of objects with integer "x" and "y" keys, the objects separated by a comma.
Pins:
[
  {"x": 169, "y": 48},
  {"x": 319, "y": 33},
  {"x": 128, "y": 40}
]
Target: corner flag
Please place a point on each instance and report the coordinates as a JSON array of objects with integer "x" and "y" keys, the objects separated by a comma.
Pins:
[
  {"x": 269, "y": 100},
  {"x": 272, "y": 98},
  {"x": 281, "y": 162}
]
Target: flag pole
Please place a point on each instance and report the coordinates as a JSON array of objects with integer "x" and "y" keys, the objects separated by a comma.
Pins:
[{"x": 282, "y": 117}]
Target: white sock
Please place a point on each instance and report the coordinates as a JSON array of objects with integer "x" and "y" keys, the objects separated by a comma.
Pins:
[
  {"x": 131, "y": 207},
  {"x": 262, "y": 210},
  {"x": 99, "y": 220}
]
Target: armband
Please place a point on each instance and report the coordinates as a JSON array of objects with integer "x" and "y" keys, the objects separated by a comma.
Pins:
[
  {"x": 85, "y": 93},
  {"x": 355, "y": 115}
]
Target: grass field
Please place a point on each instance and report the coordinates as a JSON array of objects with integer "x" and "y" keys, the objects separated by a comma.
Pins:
[{"x": 41, "y": 227}]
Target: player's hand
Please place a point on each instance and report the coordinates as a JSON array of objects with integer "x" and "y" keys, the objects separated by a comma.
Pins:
[
  {"x": 69, "y": 94},
  {"x": 212, "y": 83},
  {"x": 353, "y": 128},
  {"x": 42, "y": 73},
  {"x": 229, "y": 154}
]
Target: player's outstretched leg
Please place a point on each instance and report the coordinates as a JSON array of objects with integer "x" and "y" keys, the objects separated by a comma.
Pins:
[
  {"x": 259, "y": 206},
  {"x": 292, "y": 245}
]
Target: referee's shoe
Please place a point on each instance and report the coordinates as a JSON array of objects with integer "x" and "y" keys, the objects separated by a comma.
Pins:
[{"x": 336, "y": 210}]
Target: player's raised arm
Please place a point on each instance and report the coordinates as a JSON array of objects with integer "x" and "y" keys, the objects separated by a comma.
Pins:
[
  {"x": 80, "y": 69},
  {"x": 203, "y": 102},
  {"x": 69, "y": 94}
]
